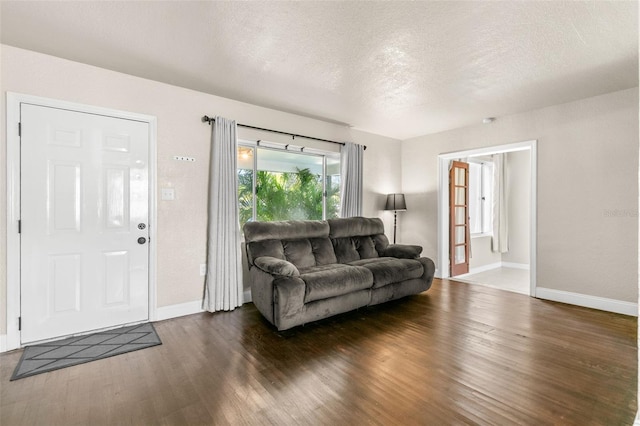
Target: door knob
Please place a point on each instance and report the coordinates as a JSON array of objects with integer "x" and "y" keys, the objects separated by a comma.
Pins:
[{"x": 142, "y": 240}]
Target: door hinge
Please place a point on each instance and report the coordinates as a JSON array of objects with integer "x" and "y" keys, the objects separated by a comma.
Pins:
[
  {"x": 19, "y": 227},
  {"x": 19, "y": 129},
  {"x": 19, "y": 323}
]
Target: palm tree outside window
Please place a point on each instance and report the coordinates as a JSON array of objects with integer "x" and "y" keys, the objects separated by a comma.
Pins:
[{"x": 277, "y": 184}]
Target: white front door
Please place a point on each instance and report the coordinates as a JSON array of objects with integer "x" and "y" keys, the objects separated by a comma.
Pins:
[{"x": 84, "y": 222}]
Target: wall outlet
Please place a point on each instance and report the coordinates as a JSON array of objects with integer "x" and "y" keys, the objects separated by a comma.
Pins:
[
  {"x": 203, "y": 269},
  {"x": 168, "y": 194}
]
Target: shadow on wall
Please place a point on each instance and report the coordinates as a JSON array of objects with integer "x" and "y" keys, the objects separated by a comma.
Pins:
[
  {"x": 246, "y": 282},
  {"x": 387, "y": 217},
  {"x": 421, "y": 215}
]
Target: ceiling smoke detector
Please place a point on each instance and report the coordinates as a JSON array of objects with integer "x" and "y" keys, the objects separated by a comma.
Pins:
[{"x": 488, "y": 120}]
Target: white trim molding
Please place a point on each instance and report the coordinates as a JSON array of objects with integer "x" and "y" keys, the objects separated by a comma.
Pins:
[
  {"x": 637, "y": 420},
  {"x": 516, "y": 265},
  {"x": 492, "y": 266},
  {"x": 12, "y": 340},
  {"x": 179, "y": 310},
  {"x": 3, "y": 343},
  {"x": 188, "y": 308},
  {"x": 246, "y": 297},
  {"x": 483, "y": 268},
  {"x": 443, "y": 202},
  {"x": 587, "y": 301}
]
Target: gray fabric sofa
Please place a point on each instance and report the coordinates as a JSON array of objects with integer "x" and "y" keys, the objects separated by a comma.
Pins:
[{"x": 303, "y": 271}]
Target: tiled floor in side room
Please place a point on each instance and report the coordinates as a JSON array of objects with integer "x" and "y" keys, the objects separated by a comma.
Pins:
[{"x": 509, "y": 279}]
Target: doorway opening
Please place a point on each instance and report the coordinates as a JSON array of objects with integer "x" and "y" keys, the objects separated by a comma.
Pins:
[{"x": 508, "y": 269}]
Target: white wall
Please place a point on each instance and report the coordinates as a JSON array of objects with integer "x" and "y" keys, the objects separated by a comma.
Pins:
[
  {"x": 518, "y": 174},
  {"x": 381, "y": 176},
  {"x": 181, "y": 223},
  {"x": 481, "y": 253},
  {"x": 518, "y": 206},
  {"x": 587, "y": 190}
]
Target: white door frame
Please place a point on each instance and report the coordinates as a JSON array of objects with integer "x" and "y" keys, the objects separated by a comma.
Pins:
[
  {"x": 443, "y": 202},
  {"x": 13, "y": 200}
]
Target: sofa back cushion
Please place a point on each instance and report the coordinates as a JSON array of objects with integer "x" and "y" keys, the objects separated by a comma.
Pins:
[
  {"x": 302, "y": 252},
  {"x": 308, "y": 252},
  {"x": 271, "y": 248},
  {"x": 345, "y": 249},
  {"x": 323, "y": 251},
  {"x": 305, "y": 243},
  {"x": 285, "y": 230},
  {"x": 381, "y": 242},
  {"x": 355, "y": 227},
  {"x": 356, "y": 238},
  {"x": 366, "y": 247},
  {"x": 349, "y": 249},
  {"x": 299, "y": 252},
  {"x": 311, "y": 243}
]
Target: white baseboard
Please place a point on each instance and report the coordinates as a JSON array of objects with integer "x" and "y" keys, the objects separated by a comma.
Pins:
[
  {"x": 179, "y": 310},
  {"x": 587, "y": 301},
  {"x": 162, "y": 313},
  {"x": 489, "y": 267},
  {"x": 189, "y": 308},
  {"x": 515, "y": 265},
  {"x": 483, "y": 268}
]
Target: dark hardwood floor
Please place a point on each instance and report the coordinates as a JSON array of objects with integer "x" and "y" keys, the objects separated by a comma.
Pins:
[{"x": 457, "y": 354}]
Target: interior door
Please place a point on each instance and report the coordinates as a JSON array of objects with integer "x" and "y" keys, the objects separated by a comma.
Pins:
[
  {"x": 84, "y": 222},
  {"x": 459, "y": 235}
]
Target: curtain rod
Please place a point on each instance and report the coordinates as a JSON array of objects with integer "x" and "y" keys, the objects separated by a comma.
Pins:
[{"x": 209, "y": 120}]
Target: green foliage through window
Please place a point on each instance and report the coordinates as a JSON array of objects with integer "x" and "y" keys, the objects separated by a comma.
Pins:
[{"x": 293, "y": 195}]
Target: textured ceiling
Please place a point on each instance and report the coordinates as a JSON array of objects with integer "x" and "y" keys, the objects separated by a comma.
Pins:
[{"x": 399, "y": 69}]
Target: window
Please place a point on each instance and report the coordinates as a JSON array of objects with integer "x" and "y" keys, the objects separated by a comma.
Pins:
[
  {"x": 480, "y": 198},
  {"x": 276, "y": 184}
]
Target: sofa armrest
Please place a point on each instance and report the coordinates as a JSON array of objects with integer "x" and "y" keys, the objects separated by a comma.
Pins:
[
  {"x": 402, "y": 251},
  {"x": 288, "y": 301},
  {"x": 275, "y": 266}
]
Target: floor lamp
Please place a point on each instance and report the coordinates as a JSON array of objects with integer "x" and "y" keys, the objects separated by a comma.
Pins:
[{"x": 396, "y": 203}]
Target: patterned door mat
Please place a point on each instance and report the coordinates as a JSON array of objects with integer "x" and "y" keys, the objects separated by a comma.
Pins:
[{"x": 51, "y": 356}]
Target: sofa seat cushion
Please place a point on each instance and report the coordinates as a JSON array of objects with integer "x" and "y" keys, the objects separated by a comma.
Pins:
[
  {"x": 387, "y": 270},
  {"x": 323, "y": 282}
]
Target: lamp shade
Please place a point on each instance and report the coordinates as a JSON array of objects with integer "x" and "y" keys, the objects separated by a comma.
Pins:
[{"x": 395, "y": 202}]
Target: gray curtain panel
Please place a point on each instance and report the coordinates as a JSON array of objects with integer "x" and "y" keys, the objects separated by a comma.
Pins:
[{"x": 351, "y": 159}]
